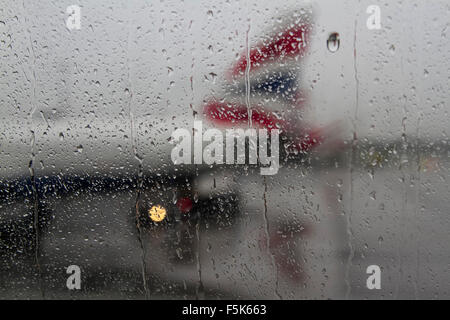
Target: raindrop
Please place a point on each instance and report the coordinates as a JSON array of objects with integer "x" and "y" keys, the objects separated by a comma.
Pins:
[
  {"x": 380, "y": 239},
  {"x": 333, "y": 42},
  {"x": 392, "y": 49}
]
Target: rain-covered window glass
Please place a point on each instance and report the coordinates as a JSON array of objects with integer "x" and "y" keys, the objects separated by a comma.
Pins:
[{"x": 224, "y": 149}]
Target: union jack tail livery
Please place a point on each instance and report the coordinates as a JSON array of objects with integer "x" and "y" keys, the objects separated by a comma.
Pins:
[{"x": 261, "y": 89}]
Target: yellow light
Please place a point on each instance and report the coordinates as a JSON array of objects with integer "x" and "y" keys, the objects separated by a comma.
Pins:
[{"x": 157, "y": 213}]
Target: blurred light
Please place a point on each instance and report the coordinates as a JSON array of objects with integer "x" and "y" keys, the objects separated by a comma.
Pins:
[
  {"x": 184, "y": 204},
  {"x": 157, "y": 213}
]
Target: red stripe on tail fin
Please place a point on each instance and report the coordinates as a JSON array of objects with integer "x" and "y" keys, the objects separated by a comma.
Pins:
[{"x": 289, "y": 43}]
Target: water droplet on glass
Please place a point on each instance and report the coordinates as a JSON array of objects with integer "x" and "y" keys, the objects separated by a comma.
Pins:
[
  {"x": 392, "y": 49},
  {"x": 333, "y": 42}
]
